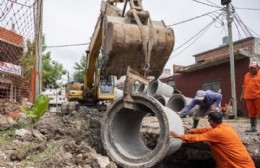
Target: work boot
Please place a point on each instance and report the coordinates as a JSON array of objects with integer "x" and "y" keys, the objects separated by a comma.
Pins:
[
  {"x": 195, "y": 123},
  {"x": 253, "y": 125}
]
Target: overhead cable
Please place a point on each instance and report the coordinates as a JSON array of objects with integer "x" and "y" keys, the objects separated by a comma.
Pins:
[
  {"x": 206, "y": 4},
  {"x": 245, "y": 27},
  {"x": 205, "y": 14},
  {"x": 238, "y": 31},
  {"x": 67, "y": 45},
  {"x": 213, "y": 3},
  {"x": 195, "y": 37},
  {"x": 248, "y": 8}
]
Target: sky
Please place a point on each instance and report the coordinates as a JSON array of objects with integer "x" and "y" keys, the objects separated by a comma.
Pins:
[{"x": 68, "y": 22}]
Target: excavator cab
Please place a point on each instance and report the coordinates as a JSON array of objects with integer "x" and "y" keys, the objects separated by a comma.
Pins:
[{"x": 106, "y": 89}]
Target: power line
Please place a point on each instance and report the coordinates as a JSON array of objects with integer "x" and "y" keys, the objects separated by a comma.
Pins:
[
  {"x": 245, "y": 27},
  {"x": 196, "y": 36},
  {"x": 215, "y": 6},
  {"x": 193, "y": 18},
  {"x": 67, "y": 45},
  {"x": 212, "y": 3},
  {"x": 247, "y": 8}
]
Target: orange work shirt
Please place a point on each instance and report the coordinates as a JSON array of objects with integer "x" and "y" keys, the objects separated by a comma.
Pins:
[
  {"x": 226, "y": 146},
  {"x": 251, "y": 86}
]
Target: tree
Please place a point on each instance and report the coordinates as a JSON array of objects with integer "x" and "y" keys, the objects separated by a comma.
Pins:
[
  {"x": 27, "y": 60},
  {"x": 79, "y": 68},
  {"x": 52, "y": 71}
]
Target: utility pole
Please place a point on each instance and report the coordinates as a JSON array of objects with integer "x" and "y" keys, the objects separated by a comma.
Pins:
[
  {"x": 68, "y": 76},
  {"x": 38, "y": 48},
  {"x": 231, "y": 55}
]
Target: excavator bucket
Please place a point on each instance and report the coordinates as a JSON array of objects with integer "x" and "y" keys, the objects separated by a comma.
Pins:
[{"x": 123, "y": 46}]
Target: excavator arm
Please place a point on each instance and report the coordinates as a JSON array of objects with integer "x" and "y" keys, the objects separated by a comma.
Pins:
[{"x": 90, "y": 79}]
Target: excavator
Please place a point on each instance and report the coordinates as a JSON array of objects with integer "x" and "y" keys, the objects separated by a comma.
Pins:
[{"x": 131, "y": 44}]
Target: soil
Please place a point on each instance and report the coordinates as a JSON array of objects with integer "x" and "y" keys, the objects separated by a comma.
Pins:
[{"x": 73, "y": 140}]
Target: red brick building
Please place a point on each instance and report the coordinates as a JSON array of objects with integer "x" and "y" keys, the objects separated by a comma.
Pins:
[
  {"x": 11, "y": 49},
  {"x": 212, "y": 71}
]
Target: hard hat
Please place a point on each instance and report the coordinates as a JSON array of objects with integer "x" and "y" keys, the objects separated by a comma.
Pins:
[
  {"x": 253, "y": 64},
  {"x": 200, "y": 95}
]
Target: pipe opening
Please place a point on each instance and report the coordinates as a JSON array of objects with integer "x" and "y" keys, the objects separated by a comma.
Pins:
[
  {"x": 161, "y": 99},
  {"x": 150, "y": 131},
  {"x": 176, "y": 103},
  {"x": 152, "y": 88},
  {"x": 140, "y": 88}
]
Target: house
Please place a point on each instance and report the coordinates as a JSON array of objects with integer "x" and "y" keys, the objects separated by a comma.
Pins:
[
  {"x": 212, "y": 71},
  {"x": 57, "y": 98},
  {"x": 12, "y": 86}
]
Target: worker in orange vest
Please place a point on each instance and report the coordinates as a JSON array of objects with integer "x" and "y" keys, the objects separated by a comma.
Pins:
[
  {"x": 251, "y": 94},
  {"x": 226, "y": 146}
]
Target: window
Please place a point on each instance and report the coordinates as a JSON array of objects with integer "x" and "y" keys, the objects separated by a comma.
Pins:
[{"x": 214, "y": 86}]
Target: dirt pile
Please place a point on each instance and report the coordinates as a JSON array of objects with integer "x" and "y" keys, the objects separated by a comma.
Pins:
[{"x": 57, "y": 140}]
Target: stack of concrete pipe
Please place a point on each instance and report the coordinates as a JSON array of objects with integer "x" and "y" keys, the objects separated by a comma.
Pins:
[{"x": 165, "y": 95}]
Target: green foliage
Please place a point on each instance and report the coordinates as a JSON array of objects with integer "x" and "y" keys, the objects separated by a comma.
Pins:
[
  {"x": 6, "y": 137},
  {"x": 52, "y": 71},
  {"x": 27, "y": 60},
  {"x": 80, "y": 67},
  {"x": 78, "y": 75},
  {"x": 39, "y": 108}
]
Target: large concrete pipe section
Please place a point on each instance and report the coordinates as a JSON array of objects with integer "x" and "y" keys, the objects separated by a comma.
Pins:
[
  {"x": 162, "y": 99},
  {"x": 159, "y": 88},
  {"x": 178, "y": 101},
  {"x": 121, "y": 136},
  {"x": 141, "y": 88}
]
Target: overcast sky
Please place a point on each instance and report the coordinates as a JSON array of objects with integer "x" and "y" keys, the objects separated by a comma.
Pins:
[{"x": 72, "y": 22}]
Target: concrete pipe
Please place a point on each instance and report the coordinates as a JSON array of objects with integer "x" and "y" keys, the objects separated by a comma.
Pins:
[
  {"x": 119, "y": 94},
  {"x": 141, "y": 88},
  {"x": 121, "y": 136},
  {"x": 178, "y": 101},
  {"x": 162, "y": 99},
  {"x": 159, "y": 88}
]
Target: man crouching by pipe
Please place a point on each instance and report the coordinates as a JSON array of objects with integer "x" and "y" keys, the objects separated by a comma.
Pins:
[
  {"x": 207, "y": 101},
  {"x": 225, "y": 144}
]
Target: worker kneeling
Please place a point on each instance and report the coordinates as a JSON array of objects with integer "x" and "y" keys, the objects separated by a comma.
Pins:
[{"x": 225, "y": 144}]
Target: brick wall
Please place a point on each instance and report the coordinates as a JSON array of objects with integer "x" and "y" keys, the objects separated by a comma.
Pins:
[
  {"x": 222, "y": 52},
  {"x": 11, "y": 37},
  {"x": 189, "y": 83}
]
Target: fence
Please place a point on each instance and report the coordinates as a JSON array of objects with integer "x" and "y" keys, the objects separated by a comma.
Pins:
[{"x": 17, "y": 49}]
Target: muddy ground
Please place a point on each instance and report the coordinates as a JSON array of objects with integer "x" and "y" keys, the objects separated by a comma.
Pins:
[{"x": 73, "y": 140}]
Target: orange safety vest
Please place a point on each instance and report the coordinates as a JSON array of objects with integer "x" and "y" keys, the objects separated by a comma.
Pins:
[
  {"x": 251, "y": 86},
  {"x": 227, "y": 148}
]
